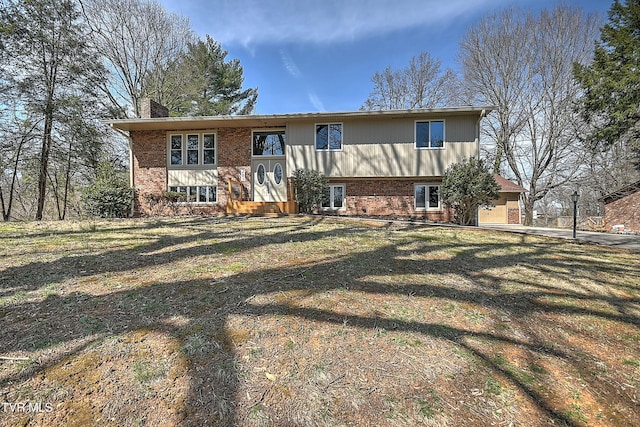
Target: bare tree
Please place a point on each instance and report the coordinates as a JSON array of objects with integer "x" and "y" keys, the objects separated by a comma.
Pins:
[
  {"x": 44, "y": 47},
  {"x": 421, "y": 85},
  {"x": 137, "y": 38},
  {"x": 523, "y": 64}
]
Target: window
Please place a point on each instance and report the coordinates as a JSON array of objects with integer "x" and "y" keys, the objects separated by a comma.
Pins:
[
  {"x": 193, "y": 149},
  {"x": 176, "y": 149},
  {"x": 430, "y": 134},
  {"x": 329, "y": 137},
  {"x": 197, "y": 193},
  {"x": 427, "y": 196},
  {"x": 277, "y": 173},
  {"x": 209, "y": 149},
  {"x": 269, "y": 143},
  {"x": 333, "y": 197},
  {"x": 261, "y": 174}
]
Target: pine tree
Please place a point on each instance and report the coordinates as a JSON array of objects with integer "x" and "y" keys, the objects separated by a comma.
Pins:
[{"x": 611, "y": 103}]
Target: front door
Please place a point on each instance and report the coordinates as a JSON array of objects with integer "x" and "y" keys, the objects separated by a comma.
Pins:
[{"x": 269, "y": 179}]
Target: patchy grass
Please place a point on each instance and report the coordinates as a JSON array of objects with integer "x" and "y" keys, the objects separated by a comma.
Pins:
[{"x": 313, "y": 321}]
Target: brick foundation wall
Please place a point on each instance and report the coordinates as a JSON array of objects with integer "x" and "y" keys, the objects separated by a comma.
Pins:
[
  {"x": 624, "y": 211},
  {"x": 386, "y": 198},
  {"x": 149, "y": 166}
]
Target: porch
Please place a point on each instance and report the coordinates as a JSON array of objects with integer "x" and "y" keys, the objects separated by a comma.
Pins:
[{"x": 238, "y": 202}]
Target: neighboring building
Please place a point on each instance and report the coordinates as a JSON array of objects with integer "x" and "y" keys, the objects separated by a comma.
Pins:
[
  {"x": 507, "y": 207},
  {"x": 622, "y": 209},
  {"x": 381, "y": 163}
]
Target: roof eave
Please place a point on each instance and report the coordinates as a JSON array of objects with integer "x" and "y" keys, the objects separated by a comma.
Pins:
[{"x": 167, "y": 123}]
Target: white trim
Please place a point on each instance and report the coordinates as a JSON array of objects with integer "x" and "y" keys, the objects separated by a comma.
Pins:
[
  {"x": 328, "y": 124},
  {"x": 198, "y": 186},
  {"x": 264, "y": 179},
  {"x": 426, "y": 196},
  {"x": 275, "y": 176},
  {"x": 273, "y": 129},
  {"x": 184, "y": 150},
  {"x": 344, "y": 198},
  {"x": 444, "y": 133}
]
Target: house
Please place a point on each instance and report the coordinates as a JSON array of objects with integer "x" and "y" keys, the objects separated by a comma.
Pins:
[
  {"x": 506, "y": 209},
  {"x": 380, "y": 163},
  {"x": 622, "y": 209}
]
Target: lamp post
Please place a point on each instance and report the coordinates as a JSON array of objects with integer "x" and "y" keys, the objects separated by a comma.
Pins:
[{"x": 574, "y": 197}]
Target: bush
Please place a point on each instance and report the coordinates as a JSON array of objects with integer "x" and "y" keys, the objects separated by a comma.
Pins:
[
  {"x": 309, "y": 188},
  {"x": 109, "y": 195},
  {"x": 159, "y": 202},
  {"x": 466, "y": 186}
]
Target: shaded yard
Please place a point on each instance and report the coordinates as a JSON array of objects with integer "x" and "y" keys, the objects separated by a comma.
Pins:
[{"x": 313, "y": 322}]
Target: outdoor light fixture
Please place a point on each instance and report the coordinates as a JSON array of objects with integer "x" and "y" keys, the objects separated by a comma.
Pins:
[{"x": 575, "y": 197}]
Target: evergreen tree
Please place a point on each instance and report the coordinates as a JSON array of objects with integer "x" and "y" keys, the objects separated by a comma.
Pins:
[
  {"x": 466, "y": 186},
  {"x": 611, "y": 102},
  {"x": 208, "y": 84}
]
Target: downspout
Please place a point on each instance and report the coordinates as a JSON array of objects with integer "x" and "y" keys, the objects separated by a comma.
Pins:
[{"x": 130, "y": 144}]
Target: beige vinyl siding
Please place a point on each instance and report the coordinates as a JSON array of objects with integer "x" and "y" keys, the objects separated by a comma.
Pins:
[
  {"x": 382, "y": 148},
  {"x": 185, "y": 177}
]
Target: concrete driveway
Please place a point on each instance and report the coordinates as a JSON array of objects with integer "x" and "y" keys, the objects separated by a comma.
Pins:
[{"x": 623, "y": 241}]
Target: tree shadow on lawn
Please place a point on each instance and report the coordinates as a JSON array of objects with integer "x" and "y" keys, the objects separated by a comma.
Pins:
[{"x": 195, "y": 313}]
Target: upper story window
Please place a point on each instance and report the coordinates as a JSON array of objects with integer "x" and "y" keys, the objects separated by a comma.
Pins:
[
  {"x": 192, "y": 149},
  {"x": 430, "y": 134},
  {"x": 269, "y": 143},
  {"x": 329, "y": 137}
]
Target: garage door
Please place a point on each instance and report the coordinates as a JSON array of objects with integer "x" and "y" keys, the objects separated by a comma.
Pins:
[{"x": 495, "y": 215}]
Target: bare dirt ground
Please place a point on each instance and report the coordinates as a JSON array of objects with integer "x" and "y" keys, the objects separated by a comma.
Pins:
[{"x": 309, "y": 321}]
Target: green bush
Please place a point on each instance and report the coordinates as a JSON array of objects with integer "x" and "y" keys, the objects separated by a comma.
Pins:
[
  {"x": 109, "y": 195},
  {"x": 466, "y": 186},
  {"x": 309, "y": 187}
]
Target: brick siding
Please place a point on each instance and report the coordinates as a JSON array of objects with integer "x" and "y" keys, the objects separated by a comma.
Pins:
[
  {"x": 625, "y": 211},
  {"x": 387, "y": 198},
  {"x": 234, "y": 154},
  {"x": 150, "y": 167},
  {"x": 149, "y": 109},
  {"x": 513, "y": 216}
]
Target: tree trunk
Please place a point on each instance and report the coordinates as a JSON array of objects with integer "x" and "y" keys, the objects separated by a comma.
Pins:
[
  {"x": 44, "y": 163},
  {"x": 528, "y": 211}
]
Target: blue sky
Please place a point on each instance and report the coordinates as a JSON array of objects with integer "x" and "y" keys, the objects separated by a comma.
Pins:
[{"x": 319, "y": 55}]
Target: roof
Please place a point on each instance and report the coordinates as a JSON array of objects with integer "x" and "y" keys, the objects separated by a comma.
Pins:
[
  {"x": 184, "y": 123},
  {"x": 507, "y": 186},
  {"x": 620, "y": 193}
]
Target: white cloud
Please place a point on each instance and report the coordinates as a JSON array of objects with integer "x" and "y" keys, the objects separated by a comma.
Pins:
[
  {"x": 290, "y": 65},
  {"x": 250, "y": 22},
  {"x": 315, "y": 101}
]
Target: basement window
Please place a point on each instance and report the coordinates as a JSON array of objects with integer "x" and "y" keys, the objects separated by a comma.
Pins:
[
  {"x": 427, "y": 196},
  {"x": 333, "y": 197}
]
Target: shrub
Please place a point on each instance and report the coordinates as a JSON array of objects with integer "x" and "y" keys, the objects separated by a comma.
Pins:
[
  {"x": 109, "y": 195},
  {"x": 309, "y": 188},
  {"x": 466, "y": 186},
  {"x": 159, "y": 202}
]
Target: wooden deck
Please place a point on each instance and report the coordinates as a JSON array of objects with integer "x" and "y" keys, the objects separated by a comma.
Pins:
[
  {"x": 236, "y": 205},
  {"x": 261, "y": 208}
]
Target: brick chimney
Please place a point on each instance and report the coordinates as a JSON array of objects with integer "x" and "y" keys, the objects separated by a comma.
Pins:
[{"x": 150, "y": 109}]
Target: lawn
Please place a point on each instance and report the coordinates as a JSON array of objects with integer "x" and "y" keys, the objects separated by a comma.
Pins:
[{"x": 311, "y": 321}]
